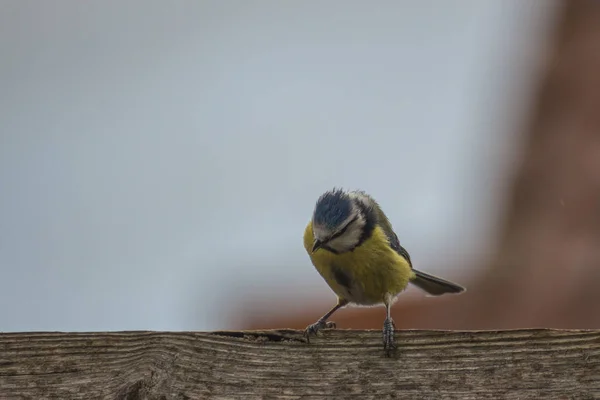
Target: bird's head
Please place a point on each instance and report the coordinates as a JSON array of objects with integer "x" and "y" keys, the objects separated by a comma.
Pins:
[{"x": 338, "y": 221}]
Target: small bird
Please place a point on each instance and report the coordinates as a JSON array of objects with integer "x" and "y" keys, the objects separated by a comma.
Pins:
[{"x": 352, "y": 245}]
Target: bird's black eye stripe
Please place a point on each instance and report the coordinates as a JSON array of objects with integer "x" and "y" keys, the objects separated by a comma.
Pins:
[
  {"x": 343, "y": 230},
  {"x": 370, "y": 221}
]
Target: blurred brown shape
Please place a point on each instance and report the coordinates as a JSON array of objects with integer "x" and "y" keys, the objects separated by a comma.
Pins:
[
  {"x": 547, "y": 263},
  {"x": 548, "y": 260}
]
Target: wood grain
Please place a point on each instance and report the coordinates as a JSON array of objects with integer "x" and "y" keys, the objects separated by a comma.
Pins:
[{"x": 520, "y": 364}]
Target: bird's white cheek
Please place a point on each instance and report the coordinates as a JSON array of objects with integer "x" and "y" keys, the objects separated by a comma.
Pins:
[{"x": 345, "y": 242}]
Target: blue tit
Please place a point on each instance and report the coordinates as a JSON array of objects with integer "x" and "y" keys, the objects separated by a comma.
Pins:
[{"x": 352, "y": 245}]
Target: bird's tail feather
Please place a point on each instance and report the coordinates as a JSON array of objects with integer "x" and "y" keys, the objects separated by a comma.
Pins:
[{"x": 435, "y": 286}]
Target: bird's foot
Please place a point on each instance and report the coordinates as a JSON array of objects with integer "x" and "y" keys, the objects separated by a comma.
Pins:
[
  {"x": 316, "y": 327},
  {"x": 388, "y": 336}
]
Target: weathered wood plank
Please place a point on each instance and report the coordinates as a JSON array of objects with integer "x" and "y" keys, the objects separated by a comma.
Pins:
[{"x": 521, "y": 364}]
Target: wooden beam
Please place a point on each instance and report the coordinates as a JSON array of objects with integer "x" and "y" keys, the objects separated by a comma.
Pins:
[{"x": 519, "y": 364}]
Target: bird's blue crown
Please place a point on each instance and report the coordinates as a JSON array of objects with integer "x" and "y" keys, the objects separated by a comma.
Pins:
[{"x": 332, "y": 208}]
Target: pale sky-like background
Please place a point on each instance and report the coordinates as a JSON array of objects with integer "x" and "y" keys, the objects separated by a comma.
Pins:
[{"x": 159, "y": 160}]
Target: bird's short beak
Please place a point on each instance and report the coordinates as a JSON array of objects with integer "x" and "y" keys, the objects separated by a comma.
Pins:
[{"x": 316, "y": 245}]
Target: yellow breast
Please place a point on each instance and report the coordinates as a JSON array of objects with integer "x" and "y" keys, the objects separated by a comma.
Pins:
[{"x": 365, "y": 275}]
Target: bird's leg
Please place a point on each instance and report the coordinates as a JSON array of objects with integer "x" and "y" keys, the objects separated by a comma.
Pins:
[
  {"x": 388, "y": 331},
  {"x": 322, "y": 323}
]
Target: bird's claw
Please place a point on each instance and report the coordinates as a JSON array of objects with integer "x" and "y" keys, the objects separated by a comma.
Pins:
[
  {"x": 388, "y": 336},
  {"x": 316, "y": 327}
]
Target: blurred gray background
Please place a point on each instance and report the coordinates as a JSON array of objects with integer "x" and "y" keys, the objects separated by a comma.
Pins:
[{"x": 159, "y": 160}]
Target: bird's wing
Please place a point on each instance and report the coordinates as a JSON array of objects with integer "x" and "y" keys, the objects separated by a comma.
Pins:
[
  {"x": 394, "y": 241},
  {"x": 386, "y": 226}
]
